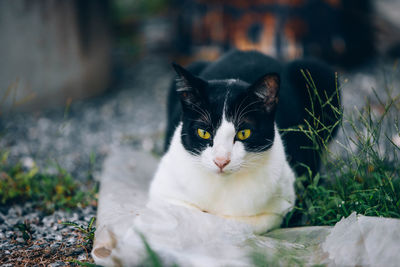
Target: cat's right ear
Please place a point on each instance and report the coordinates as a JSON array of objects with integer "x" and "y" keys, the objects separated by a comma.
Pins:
[{"x": 188, "y": 86}]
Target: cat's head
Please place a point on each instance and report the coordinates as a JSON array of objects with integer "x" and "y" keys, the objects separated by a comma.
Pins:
[{"x": 227, "y": 124}]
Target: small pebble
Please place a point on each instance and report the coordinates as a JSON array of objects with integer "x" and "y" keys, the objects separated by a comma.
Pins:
[
  {"x": 20, "y": 240},
  {"x": 82, "y": 257}
]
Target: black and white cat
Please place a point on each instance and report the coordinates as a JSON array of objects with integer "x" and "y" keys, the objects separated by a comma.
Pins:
[{"x": 225, "y": 155}]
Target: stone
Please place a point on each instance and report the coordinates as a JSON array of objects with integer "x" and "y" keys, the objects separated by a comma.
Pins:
[{"x": 102, "y": 252}]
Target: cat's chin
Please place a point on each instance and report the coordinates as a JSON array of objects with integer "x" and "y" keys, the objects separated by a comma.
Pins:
[{"x": 225, "y": 172}]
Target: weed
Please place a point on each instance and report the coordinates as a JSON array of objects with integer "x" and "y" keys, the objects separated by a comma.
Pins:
[
  {"x": 92, "y": 164},
  {"x": 8, "y": 98},
  {"x": 26, "y": 230},
  {"x": 87, "y": 264},
  {"x": 87, "y": 233},
  {"x": 86, "y": 239}
]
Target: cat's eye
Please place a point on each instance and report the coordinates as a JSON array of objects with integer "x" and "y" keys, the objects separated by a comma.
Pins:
[
  {"x": 203, "y": 134},
  {"x": 243, "y": 134}
]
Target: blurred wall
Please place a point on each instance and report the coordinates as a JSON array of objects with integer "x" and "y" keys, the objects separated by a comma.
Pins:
[
  {"x": 337, "y": 31},
  {"x": 52, "y": 52}
]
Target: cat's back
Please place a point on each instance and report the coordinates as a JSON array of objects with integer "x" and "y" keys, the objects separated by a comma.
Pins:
[{"x": 247, "y": 66}]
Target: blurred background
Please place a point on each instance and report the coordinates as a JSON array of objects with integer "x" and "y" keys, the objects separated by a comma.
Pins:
[{"x": 77, "y": 77}]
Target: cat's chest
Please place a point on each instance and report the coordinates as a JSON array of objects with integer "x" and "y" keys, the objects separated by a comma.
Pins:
[{"x": 246, "y": 193}]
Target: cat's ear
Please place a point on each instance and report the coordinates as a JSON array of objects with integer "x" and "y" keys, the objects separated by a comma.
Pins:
[
  {"x": 266, "y": 89},
  {"x": 189, "y": 87}
]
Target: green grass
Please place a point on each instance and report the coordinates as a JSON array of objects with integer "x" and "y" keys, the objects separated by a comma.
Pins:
[
  {"x": 47, "y": 192},
  {"x": 364, "y": 177}
]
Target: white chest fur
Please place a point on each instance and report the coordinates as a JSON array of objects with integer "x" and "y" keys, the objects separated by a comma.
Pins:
[{"x": 259, "y": 195}]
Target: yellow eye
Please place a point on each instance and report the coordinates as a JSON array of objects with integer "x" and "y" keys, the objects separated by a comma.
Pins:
[
  {"x": 203, "y": 134},
  {"x": 243, "y": 134}
]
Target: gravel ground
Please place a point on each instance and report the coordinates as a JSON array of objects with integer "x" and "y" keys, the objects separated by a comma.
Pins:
[
  {"x": 51, "y": 243},
  {"x": 133, "y": 115}
]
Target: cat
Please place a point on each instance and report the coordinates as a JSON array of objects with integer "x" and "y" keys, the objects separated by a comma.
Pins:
[{"x": 224, "y": 152}]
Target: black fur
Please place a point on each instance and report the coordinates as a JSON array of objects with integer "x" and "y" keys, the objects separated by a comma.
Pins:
[{"x": 203, "y": 87}]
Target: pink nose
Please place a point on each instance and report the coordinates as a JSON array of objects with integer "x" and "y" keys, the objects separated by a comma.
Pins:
[{"x": 221, "y": 162}]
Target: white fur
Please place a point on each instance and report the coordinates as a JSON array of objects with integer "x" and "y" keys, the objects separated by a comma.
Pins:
[{"x": 255, "y": 188}]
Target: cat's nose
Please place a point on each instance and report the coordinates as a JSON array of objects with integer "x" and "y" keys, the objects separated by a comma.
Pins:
[{"x": 221, "y": 162}]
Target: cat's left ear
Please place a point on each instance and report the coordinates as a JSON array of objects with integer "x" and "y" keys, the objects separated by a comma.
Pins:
[{"x": 266, "y": 89}]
